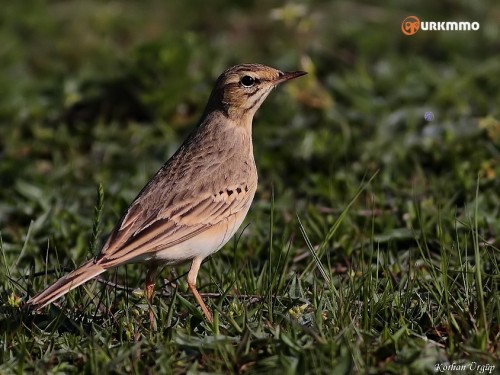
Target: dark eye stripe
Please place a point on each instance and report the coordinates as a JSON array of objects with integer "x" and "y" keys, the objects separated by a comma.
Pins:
[{"x": 249, "y": 91}]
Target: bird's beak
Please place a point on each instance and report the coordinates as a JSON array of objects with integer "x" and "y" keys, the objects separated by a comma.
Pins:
[{"x": 286, "y": 76}]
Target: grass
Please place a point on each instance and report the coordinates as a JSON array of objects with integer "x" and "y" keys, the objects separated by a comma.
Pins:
[{"x": 372, "y": 243}]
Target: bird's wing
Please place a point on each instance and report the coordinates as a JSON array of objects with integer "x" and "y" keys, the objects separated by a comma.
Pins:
[
  {"x": 145, "y": 230},
  {"x": 201, "y": 185}
]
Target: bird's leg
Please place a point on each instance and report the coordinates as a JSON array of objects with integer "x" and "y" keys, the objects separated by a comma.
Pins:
[
  {"x": 193, "y": 273},
  {"x": 150, "y": 290}
]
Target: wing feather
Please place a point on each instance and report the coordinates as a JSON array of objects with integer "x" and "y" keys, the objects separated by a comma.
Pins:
[{"x": 171, "y": 225}]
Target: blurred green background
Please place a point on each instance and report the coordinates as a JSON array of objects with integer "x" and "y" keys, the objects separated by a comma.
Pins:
[{"x": 103, "y": 92}]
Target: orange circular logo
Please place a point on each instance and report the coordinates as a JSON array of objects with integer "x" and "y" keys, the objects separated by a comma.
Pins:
[{"x": 410, "y": 25}]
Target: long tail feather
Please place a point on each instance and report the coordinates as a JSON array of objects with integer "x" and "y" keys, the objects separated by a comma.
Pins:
[{"x": 66, "y": 283}]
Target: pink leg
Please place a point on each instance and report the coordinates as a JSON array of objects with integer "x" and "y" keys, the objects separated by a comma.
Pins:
[
  {"x": 150, "y": 290},
  {"x": 193, "y": 273}
]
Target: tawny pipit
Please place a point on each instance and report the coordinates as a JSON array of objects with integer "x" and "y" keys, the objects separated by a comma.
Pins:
[{"x": 198, "y": 199}]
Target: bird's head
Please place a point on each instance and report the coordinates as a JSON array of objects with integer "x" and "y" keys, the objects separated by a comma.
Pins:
[{"x": 240, "y": 90}]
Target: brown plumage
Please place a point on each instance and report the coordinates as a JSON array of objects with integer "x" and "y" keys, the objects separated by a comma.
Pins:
[{"x": 198, "y": 199}]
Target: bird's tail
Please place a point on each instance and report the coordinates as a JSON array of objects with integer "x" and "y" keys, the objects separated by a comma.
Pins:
[{"x": 66, "y": 283}]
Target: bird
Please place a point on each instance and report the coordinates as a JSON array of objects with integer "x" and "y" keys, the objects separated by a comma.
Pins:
[{"x": 197, "y": 200}]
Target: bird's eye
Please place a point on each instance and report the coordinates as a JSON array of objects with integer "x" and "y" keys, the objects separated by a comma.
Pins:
[{"x": 247, "y": 81}]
